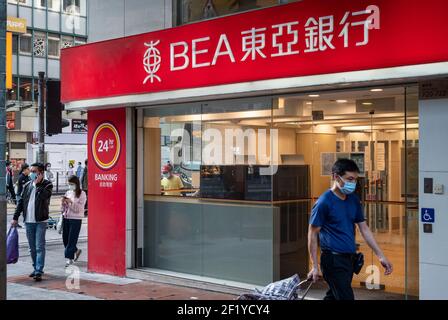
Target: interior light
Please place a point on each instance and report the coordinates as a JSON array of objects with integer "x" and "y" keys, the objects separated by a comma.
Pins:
[
  {"x": 377, "y": 90},
  {"x": 341, "y": 101},
  {"x": 367, "y": 103},
  {"x": 314, "y": 95}
]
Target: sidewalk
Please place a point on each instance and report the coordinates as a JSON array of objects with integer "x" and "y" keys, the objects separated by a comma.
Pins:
[{"x": 91, "y": 286}]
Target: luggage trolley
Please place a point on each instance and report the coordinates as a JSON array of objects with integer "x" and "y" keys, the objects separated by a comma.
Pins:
[{"x": 287, "y": 289}]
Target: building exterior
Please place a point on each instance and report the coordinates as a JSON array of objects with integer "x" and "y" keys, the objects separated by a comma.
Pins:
[
  {"x": 251, "y": 109},
  {"x": 40, "y": 29}
]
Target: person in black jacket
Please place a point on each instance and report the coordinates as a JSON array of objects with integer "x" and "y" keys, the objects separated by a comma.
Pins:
[
  {"x": 34, "y": 204},
  {"x": 23, "y": 179},
  {"x": 9, "y": 181}
]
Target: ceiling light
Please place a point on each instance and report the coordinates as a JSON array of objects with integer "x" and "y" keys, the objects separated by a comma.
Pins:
[
  {"x": 367, "y": 103},
  {"x": 309, "y": 103},
  {"x": 314, "y": 95},
  {"x": 376, "y": 90},
  {"x": 341, "y": 101}
]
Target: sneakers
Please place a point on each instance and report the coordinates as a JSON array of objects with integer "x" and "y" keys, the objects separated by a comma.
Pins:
[
  {"x": 77, "y": 254},
  {"x": 33, "y": 274},
  {"x": 68, "y": 263},
  {"x": 38, "y": 277}
]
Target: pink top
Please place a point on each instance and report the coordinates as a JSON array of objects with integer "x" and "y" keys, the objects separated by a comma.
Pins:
[{"x": 76, "y": 209}]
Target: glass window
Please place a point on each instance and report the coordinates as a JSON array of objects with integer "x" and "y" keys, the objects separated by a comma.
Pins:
[
  {"x": 207, "y": 199},
  {"x": 66, "y": 42},
  {"x": 25, "y": 92},
  {"x": 12, "y": 93},
  {"x": 53, "y": 46},
  {"x": 194, "y": 10},
  {"x": 54, "y": 5},
  {"x": 40, "y": 3},
  {"x": 15, "y": 44},
  {"x": 39, "y": 45},
  {"x": 80, "y": 41},
  {"x": 71, "y": 6},
  {"x": 18, "y": 1},
  {"x": 25, "y": 43}
]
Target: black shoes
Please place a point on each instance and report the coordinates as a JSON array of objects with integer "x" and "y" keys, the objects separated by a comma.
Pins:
[
  {"x": 38, "y": 277},
  {"x": 32, "y": 274}
]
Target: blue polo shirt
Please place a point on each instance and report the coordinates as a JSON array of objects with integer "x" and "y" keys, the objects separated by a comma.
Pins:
[{"x": 337, "y": 220}]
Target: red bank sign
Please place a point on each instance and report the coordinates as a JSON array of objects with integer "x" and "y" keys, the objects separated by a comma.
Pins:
[
  {"x": 298, "y": 39},
  {"x": 107, "y": 191}
]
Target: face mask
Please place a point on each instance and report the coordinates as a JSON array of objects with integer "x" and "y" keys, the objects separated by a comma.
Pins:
[
  {"x": 72, "y": 187},
  {"x": 33, "y": 176},
  {"x": 349, "y": 187},
  {"x": 166, "y": 175}
]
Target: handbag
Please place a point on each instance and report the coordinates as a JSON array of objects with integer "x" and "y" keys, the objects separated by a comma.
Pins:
[
  {"x": 60, "y": 225},
  {"x": 12, "y": 246},
  {"x": 358, "y": 262}
]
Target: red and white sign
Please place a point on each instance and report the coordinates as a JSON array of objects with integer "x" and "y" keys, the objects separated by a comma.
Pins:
[
  {"x": 106, "y": 146},
  {"x": 309, "y": 37},
  {"x": 107, "y": 191}
]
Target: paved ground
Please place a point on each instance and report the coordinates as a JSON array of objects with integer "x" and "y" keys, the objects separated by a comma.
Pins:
[{"x": 58, "y": 282}]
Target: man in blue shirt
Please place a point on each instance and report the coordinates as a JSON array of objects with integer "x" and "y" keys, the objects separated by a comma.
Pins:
[{"x": 333, "y": 219}]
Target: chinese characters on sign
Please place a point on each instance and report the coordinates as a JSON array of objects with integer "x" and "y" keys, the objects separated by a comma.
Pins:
[{"x": 278, "y": 40}]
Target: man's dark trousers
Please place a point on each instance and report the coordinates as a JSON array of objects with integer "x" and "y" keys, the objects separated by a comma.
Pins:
[{"x": 337, "y": 270}]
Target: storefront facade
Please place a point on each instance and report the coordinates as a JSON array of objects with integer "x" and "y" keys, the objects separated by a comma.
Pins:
[{"x": 250, "y": 110}]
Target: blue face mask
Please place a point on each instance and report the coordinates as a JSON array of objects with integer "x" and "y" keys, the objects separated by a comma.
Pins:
[
  {"x": 33, "y": 176},
  {"x": 349, "y": 187}
]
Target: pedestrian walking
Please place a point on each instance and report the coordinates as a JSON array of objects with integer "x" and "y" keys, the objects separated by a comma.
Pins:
[
  {"x": 48, "y": 173},
  {"x": 333, "y": 220},
  {"x": 9, "y": 181},
  {"x": 79, "y": 171},
  {"x": 24, "y": 177},
  {"x": 73, "y": 203},
  {"x": 34, "y": 205},
  {"x": 84, "y": 185}
]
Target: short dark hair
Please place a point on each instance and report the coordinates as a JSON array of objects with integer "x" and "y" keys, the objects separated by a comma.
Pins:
[
  {"x": 39, "y": 166},
  {"x": 342, "y": 166},
  {"x": 8, "y": 163},
  {"x": 24, "y": 167}
]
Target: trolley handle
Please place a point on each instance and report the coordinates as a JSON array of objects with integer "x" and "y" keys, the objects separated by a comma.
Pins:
[{"x": 310, "y": 280}]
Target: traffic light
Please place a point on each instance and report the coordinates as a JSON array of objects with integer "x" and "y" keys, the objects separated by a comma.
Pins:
[{"x": 54, "y": 107}]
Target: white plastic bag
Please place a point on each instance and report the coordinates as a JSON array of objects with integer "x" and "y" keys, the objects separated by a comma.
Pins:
[{"x": 59, "y": 226}]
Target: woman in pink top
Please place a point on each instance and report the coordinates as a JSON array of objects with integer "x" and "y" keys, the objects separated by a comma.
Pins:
[{"x": 73, "y": 202}]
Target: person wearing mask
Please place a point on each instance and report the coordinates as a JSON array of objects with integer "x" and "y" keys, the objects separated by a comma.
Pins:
[
  {"x": 333, "y": 220},
  {"x": 48, "y": 174},
  {"x": 170, "y": 181},
  {"x": 23, "y": 179},
  {"x": 70, "y": 171},
  {"x": 79, "y": 171},
  {"x": 34, "y": 205},
  {"x": 84, "y": 185},
  {"x": 9, "y": 181},
  {"x": 73, "y": 201}
]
